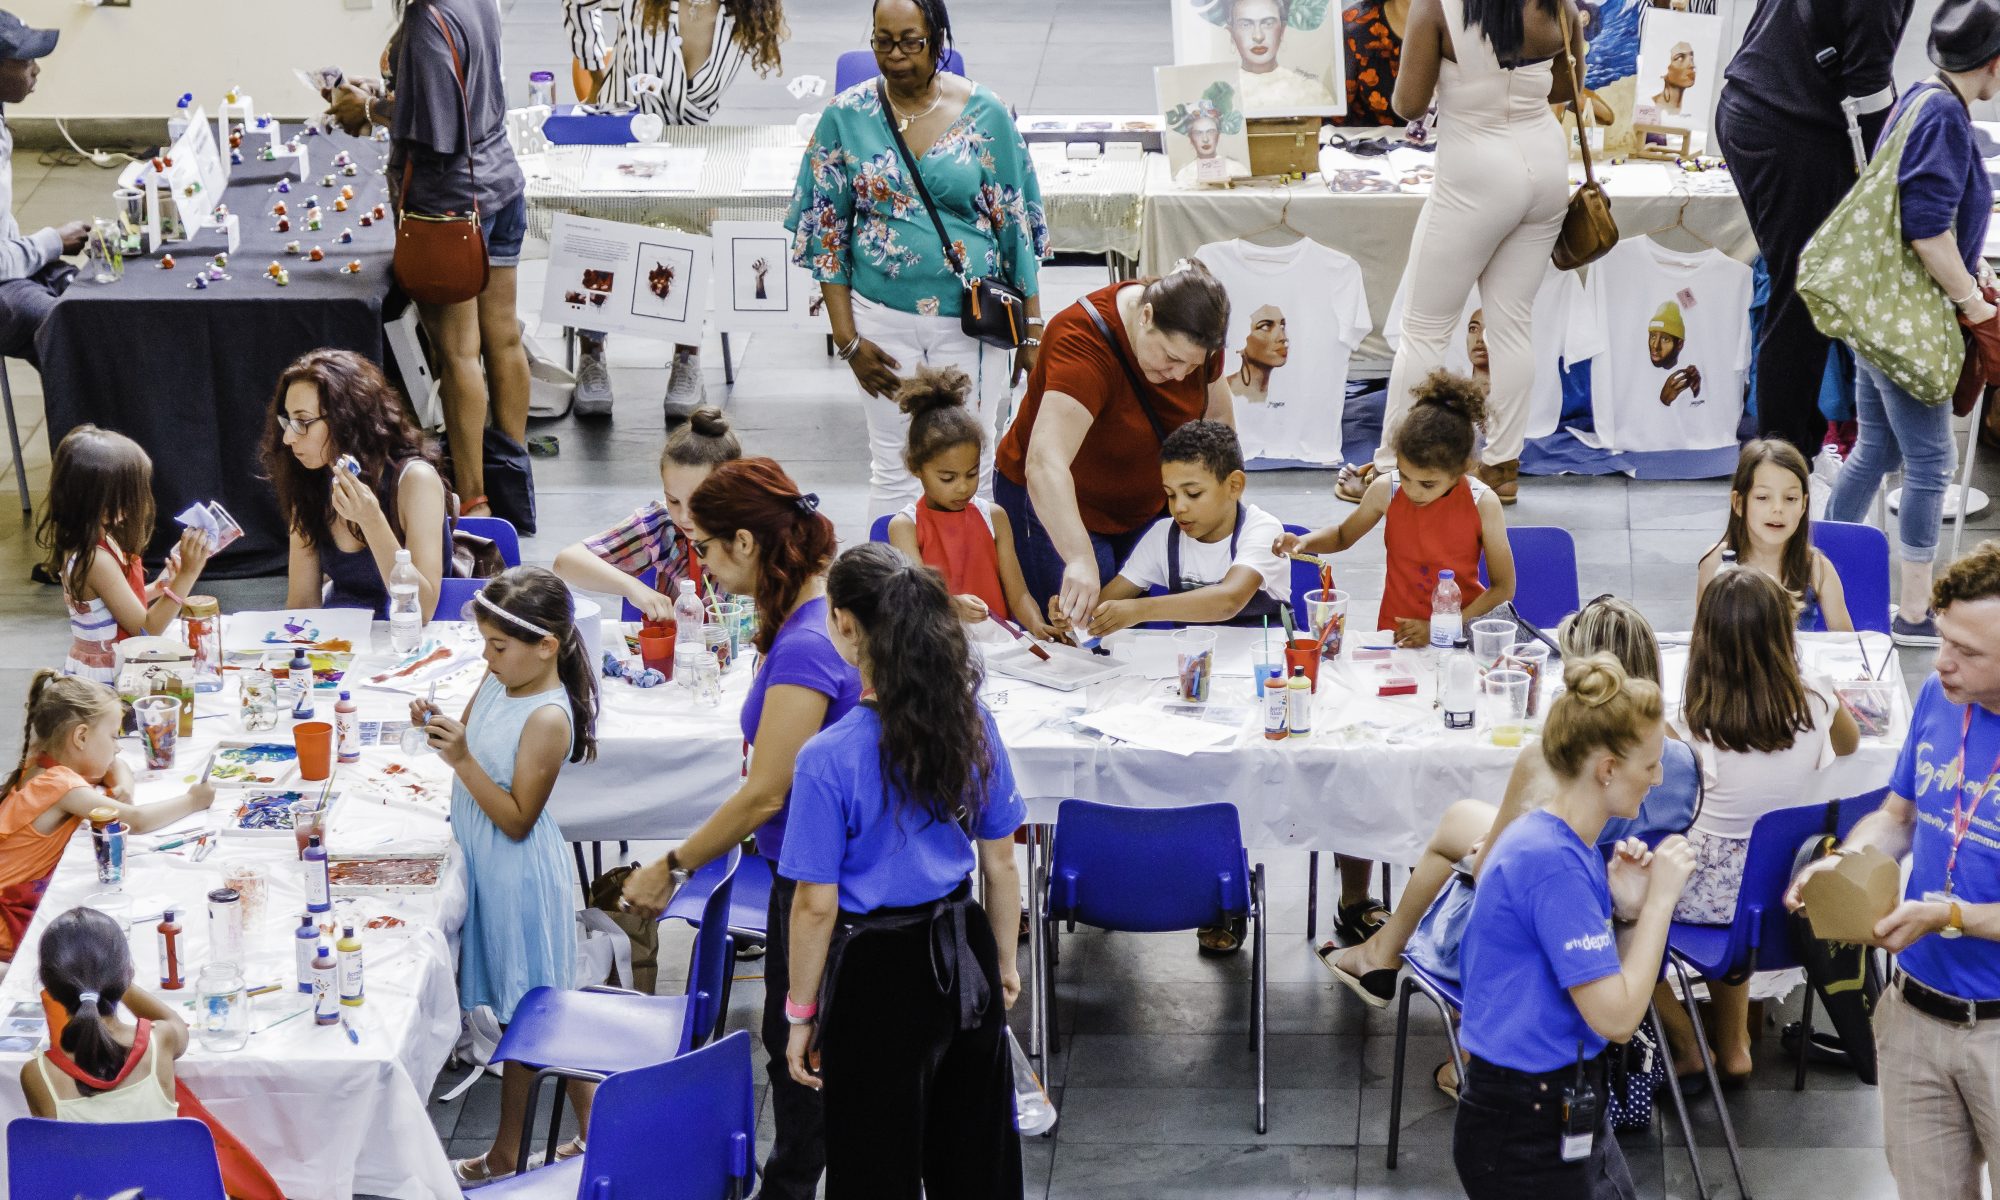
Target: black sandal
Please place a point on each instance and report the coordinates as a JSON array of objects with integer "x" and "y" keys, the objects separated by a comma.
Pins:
[
  {"x": 1375, "y": 988},
  {"x": 1226, "y": 938},
  {"x": 1357, "y": 922}
]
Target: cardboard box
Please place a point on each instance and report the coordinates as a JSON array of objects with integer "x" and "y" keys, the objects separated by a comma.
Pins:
[{"x": 1845, "y": 903}]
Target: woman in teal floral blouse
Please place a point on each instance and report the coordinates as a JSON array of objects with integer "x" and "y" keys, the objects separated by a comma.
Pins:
[{"x": 862, "y": 231}]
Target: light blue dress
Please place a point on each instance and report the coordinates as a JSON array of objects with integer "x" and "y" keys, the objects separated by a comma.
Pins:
[{"x": 520, "y": 927}]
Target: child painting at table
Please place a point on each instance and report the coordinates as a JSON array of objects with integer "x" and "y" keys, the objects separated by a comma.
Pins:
[
  {"x": 96, "y": 520},
  {"x": 69, "y": 768},
  {"x": 103, "y": 1069},
  {"x": 1762, "y": 730},
  {"x": 1439, "y": 517},
  {"x": 535, "y": 709},
  {"x": 968, "y": 540},
  {"x": 1770, "y": 529},
  {"x": 1210, "y": 560},
  {"x": 653, "y": 539}
]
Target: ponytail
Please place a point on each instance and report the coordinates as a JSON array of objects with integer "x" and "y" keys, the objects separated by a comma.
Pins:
[
  {"x": 935, "y": 750},
  {"x": 1437, "y": 433},
  {"x": 87, "y": 969},
  {"x": 530, "y": 603},
  {"x": 580, "y": 681}
]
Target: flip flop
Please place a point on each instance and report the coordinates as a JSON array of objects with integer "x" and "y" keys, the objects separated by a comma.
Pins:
[
  {"x": 1375, "y": 988},
  {"x": 472, "y": 1173},
  {"x": 1353, "y": 481},
  {"x": 1437, "y": 1080},
  {"x": 569, "y": 1149}
]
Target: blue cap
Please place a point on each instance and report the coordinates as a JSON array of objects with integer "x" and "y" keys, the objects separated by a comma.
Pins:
[{"x": 19, "y": 40}]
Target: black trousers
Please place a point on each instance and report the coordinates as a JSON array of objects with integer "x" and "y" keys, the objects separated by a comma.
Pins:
[
  {"x": 915, "y": 1106},
  {"x": 1790, "y": 176},
  {"x": 799, "y": 1153},
  {"x": 1506, "y": 1142},
  {"x": 25, "y": 304}
]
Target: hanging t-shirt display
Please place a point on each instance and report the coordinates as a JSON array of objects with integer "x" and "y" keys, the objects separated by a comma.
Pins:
[
  {"x": 1296, "y": 314},
  {"x": 1676, "y": 347},
  {"x": 1565, "y": 331}
]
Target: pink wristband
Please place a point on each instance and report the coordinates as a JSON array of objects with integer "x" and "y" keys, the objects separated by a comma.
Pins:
[
  {"x": 167, "y": 590},
  {"x": 799, "y": 1014}
]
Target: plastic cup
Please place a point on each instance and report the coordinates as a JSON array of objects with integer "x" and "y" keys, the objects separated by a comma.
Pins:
[
  {"x": 251, "y": 882},
  {"x": 1327, "y": 613},
  {"x": 159, "y": 728},
  {"x": 1262, "y": 671},
  {"x": 1531, "y": 658},
  {"x": 734, "y": 617},
  {"x": 308, "y": 818},
  {"x": 1304, "y": 652},
  {"x": 1490, "y": 639},
  {"x": 656, "y": 648},
  {"x": 314, "y": 741},
  {"x": 1503, "y": 701},
  {"x": 1194, "y": 655}
]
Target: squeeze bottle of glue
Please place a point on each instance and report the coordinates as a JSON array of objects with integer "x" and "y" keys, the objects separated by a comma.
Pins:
[
  {"x": 170, "y": 952},
  {"x": 346, "y": 729},
  {"x": 326, "y": 992},
  {"x": 1277, "y": 700},
  {"x": 305, "y": 946},
  {"x": 1298, "y": 707},
  {"x": 349, "y": 946}
]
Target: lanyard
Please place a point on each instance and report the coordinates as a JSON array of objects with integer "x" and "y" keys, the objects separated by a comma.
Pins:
[{"x": 1961, "y": 817}]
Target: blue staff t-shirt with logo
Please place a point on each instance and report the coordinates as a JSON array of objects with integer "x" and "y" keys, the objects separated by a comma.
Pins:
[
  {"x": 802, "y": 655},
  {"x": 1927, "y": 776},
  {"x": 1541, "y": 925}
]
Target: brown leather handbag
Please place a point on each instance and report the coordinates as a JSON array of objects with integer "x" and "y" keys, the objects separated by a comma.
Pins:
[
  {"x": 441, "y": 257},
  {"x": 1588, "y": 231}
]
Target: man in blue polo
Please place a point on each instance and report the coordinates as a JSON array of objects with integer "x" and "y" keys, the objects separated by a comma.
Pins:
[
  {"x": 1937, "y": 1026},
  {"x": 33, "y": 275}
]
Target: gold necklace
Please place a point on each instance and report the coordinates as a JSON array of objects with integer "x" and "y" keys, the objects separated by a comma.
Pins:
[{"x": 903, "y": 123}]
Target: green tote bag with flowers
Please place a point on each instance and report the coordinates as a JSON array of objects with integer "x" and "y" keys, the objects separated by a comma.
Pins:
[{"x": 1864, "y": 284}]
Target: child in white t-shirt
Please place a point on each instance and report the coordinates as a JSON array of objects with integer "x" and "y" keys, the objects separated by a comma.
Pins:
[{"x": 1211, "y": 556}]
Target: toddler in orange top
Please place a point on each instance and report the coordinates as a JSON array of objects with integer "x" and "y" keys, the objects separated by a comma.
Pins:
[
  {"x": 968, "y": 540},
  {"x": 69, "y": 767},
  {"x": 1439, "y": 517}
]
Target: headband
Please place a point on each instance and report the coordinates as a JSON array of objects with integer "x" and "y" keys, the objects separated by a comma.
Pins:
[{"x": 497, "y": 611}]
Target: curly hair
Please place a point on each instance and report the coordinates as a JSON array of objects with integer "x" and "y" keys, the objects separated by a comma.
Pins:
[
  {"x": 935, "y": 752},
  {"x": 1209, "y": 443},
  {"x": 1974, "y": 577},
  {"x": 364, "y": 417},
  {"x": 100, "y": 485},
  {"x": 760, "y": 28},
  {"x": 794, "y": 540},
  {"x": 934, "y": 400},
  {"x": 1743, "y": 690},
  {"x": 1603, "y": 709},
  {"x": 1437, "y": 432}
]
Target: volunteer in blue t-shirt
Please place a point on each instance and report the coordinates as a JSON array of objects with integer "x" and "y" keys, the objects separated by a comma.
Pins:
[
  {"x": 761, "y": 537},
  {"x": 1937, "y": 1025},
  {"x": 899, "y": 994},
  {"x": 1561, "y": 953}
]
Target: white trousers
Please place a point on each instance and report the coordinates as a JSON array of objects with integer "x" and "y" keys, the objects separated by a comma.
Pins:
[
  {"x": 1491, "y": 219},
  {"x": 919, "y": 341}
]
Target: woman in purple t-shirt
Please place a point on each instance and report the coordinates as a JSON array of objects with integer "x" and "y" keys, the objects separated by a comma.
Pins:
[{"x": 760, "y": 536}]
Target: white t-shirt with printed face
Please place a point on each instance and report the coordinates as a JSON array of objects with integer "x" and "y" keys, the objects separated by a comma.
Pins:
[
  {"x": 1676, "y": 347},
  {"x": 1301, "y": 310},
  {"x": 1565, "y": 331},
  {"x": 1206, "y": 563}
]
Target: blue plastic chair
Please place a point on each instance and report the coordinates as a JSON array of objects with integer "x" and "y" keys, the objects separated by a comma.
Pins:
[
  {"x": 879, "y": 531},
  {"x": 1449, "y": 999},
  {"x": 593, "y": 1032},
  {"x": 857, "y": 65},
  {"x": 626, "y": 611},
  {"x": 502, "y": 533},
  {"x": 1860, "y": 556},
  {"x": 749, "y": 903},
  {"x": 1305, "y": 578},
  {"x": 61, "y": 1160},
  {"x": 685, "y": 1129},
  {"x": 1545, "y": 587},
  {"x": 1153, "y": 870},
  {"x": 453, "y": 596}
]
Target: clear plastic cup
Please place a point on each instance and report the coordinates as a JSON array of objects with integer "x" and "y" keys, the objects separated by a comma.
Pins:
[
  {"x": 1533, "y": 659},
  {"x": 1194, "y": 653},
  {"x": 1328, "y": 614},
  {"x": 1490, "y": 639},
  {"x": 1503, "y": 700},
  {"x": 159, "y": 729}
]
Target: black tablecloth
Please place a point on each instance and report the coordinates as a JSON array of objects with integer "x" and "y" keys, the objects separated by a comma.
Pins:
[{"x": 189, "y": 374}]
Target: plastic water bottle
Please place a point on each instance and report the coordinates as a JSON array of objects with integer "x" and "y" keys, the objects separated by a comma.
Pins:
[
  {"x": 1446, "y": 624},
  {"x": 406, "y": 616},
  {"x": 177, "y": 122},
  {"x": 688, "y": 616}
]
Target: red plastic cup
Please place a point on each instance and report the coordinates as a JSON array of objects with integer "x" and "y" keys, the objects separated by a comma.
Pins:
[
  {"x": 656, "y": 648},
  {"x": 314, "y": 741},
  {"x": 1303, "y": 652}
]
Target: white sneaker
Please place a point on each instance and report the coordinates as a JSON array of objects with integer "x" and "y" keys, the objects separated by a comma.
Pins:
[
  {"x": 592, "y": 394},
  {"x": 685, "y": 389}
]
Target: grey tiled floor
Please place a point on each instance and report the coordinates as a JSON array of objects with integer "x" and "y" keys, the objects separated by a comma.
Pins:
[{"x": 1154, "y": 1079}]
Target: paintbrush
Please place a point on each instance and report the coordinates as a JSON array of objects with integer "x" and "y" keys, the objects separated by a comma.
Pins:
[
  {"x": 1317, "y": 560},
  {"x": 1019, "y": 636}
]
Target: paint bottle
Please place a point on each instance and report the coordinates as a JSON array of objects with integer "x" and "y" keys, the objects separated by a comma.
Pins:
[
  {"x": 351, "y": 994},
  {"x": 1277, "y": 699},
  {"x": 300, "y": 672},
  {"x": 1298, "y": 707},
  {"x": 319, "y": 889},
  {"x": 305, "y": 942},
  {"x": 346, "y": 729},
  {"x": 170, "y": 952},
  {"x": 326, "y": 992}
]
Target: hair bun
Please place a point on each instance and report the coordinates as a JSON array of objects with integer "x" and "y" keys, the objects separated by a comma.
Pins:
[
  {"x": 709, "y": 422},
  {"x": 931, "y": 388},
  {"x": 1596, "y": 680}
]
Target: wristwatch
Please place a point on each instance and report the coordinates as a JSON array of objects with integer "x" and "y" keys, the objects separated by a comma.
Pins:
[{"x": 1955, "y": 927}]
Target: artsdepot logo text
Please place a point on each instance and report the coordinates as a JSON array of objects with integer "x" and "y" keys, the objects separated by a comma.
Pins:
[{"x": 1590, "y": 944}]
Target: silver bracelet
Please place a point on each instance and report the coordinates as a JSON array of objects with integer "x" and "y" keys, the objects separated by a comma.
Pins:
[
  {"x": 847, "y": 352},
  {"x": 1962, "y": 300}
]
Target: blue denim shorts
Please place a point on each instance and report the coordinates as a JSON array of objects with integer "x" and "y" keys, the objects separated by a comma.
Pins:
[{"x": 505, "y": 230}]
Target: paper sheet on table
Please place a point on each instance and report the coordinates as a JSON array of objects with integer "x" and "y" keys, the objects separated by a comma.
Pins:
[
  {"x": 362, "y": 831},
  {"x": 262, "y": 632},
  {"x": 439, "y": 660},
  {"x": 772, "y": 168},
  {"x": 643, "y": 168},
  {"x": 1144, "y": 725}
]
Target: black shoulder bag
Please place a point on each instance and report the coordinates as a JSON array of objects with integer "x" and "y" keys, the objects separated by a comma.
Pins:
[{"x": 993, "y": 311}]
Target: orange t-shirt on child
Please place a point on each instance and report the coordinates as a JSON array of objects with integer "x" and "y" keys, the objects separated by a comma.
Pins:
[
  {"x": 1444, "y": 535},
  {"x": 27, "y": 856},
  {"x": 960, "y": 545}
]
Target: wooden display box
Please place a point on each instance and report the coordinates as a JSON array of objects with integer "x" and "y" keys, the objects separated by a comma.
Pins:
[{"x": 1283, "y": 145}]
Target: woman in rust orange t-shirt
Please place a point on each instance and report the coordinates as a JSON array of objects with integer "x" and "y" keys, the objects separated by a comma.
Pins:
[{"x": 1078, "y": 472}]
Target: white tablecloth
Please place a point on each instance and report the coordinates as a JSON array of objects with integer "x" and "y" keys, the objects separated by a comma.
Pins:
[{"x": 327, "y": 1117}]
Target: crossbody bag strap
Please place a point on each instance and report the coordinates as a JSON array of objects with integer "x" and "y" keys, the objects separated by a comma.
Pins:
[
  {"x": 1576, "y": 88},
  {"x": 917, "y": 181},
  {"x": 465, "y": 112},
  {"x": 1131, "y": 376}
]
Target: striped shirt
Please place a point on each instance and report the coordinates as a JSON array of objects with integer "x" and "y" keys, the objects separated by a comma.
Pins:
[
  {"x": 648, "y": 540},
  {"x": 683, "y": 99}
]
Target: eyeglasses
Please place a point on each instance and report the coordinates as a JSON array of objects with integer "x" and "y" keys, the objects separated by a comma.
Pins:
[
  {"x": 1263, "y": 25},
  {"x": 701, "y": 546},
  {"x": 882, "y": 43},
  {"x": 297, "y": 426}
]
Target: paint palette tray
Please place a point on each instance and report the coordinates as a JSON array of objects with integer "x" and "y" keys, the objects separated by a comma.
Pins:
[
  {"x": 247, "y": 763},
  {"x": 1067, "y": 669}
]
